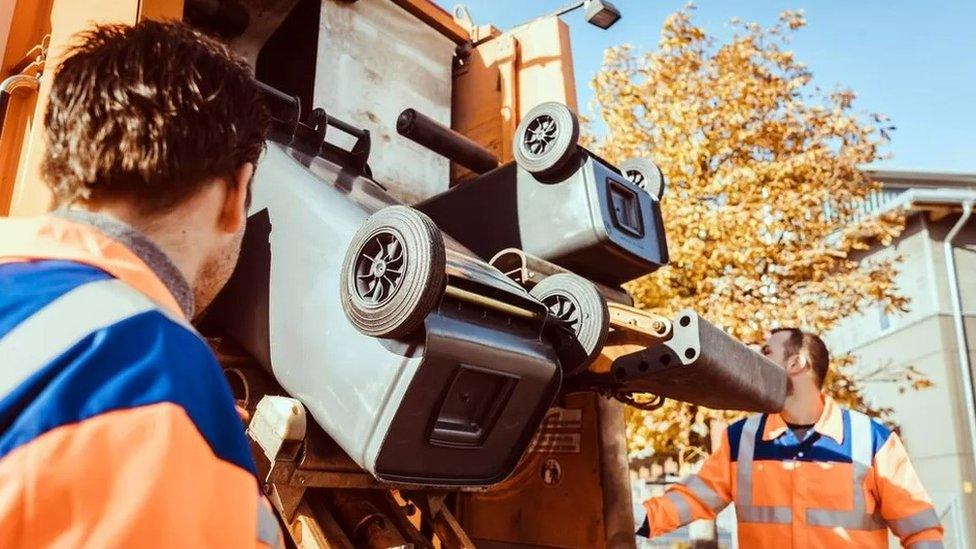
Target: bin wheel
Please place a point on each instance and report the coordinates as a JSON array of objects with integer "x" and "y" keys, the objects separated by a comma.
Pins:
[
  {"x": 645, "y": 174},
  {"x": 394, "y": 272},
  {"x": 545, "y": 141},
  {"x": 580, "y": 312}
]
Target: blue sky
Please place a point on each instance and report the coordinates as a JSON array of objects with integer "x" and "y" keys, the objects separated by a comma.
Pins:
[{"x": 912, "y": 60}]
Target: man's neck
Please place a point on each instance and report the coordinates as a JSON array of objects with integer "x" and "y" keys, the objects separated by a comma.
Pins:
[
  {"x": 160, "y": 233},
  {"x": 158, "y": 261},
  {"x": 803, "y": 407}
]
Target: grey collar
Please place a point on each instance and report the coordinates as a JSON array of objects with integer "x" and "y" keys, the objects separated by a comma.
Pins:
[{"x": 149, "y": 253}]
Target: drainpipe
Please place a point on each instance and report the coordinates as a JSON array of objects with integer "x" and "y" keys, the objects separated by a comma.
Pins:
[{"x": 965, "y": 368}]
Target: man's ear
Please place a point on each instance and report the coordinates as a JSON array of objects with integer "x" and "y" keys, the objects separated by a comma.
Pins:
[
  {"x": 796, "y": 364},
  {"x": 234, "y": 213}
]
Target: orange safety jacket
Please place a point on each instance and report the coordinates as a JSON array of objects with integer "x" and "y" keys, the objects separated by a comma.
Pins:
[
  {"x": 117, "y": 427},
  {"x": 844, "y": 485}
]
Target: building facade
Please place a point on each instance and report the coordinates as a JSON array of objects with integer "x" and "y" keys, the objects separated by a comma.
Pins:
[{"x": 935, "y": 423}]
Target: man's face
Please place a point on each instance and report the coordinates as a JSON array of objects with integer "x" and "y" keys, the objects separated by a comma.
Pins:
[
  {"x": 219, "y": 265},
  {"x": 775, "y": 348},
  {"x": 216, "y": 272}
]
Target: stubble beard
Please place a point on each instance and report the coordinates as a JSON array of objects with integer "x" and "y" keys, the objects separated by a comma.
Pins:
[{"x": 215, "y": 273}]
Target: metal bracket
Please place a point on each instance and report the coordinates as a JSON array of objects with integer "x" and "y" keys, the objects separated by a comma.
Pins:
[
  {"x": 641, "y": 323},
  {"x": 445, "y": 524},
  {"x": 529, "y": 270},
  {"x": 278, "y": 427}
]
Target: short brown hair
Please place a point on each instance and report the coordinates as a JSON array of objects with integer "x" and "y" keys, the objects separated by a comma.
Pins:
[
  {"x": 148, "y": 113},
  {"x": 812, "y": 346}
]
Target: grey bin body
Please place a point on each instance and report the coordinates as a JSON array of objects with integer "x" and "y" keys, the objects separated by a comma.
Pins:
[
  {"x": 594, "y": 222},
  {"x": 456, "y": 403}
]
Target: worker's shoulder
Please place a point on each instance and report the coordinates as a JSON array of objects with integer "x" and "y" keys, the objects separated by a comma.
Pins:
[
  {"x": 98, "y": 347},
  {"x": 26, "y": 287},
  {"x": 880, "y": 433},
  {"x": 734, "y": 434},
  {"x": 61, "y": 304},
  {"x": 735, "y": 429}
]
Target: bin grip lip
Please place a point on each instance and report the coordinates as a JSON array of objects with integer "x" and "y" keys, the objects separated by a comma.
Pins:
[
  {"x": 308, "y": 133},
  {"x": 601, "y": 160}
]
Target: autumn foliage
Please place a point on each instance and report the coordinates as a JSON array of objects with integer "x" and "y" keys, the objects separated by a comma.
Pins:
[{"x": 764, "y": 185}]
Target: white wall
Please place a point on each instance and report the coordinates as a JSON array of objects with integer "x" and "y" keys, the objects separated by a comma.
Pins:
[
  {"x": 932, "y": 421},
  {"x": 916, "y": 280}
]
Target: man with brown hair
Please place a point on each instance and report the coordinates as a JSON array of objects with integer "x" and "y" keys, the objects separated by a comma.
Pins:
[
  {"x": 117, "y": 427},
  {"x": 813, "y": 476}
]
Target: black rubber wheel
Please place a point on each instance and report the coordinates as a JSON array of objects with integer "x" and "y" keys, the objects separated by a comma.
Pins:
[
  {"x": 645, "y": 174},
  {"x": 394, "y": 272},
  {"x": 580, "y": 312},
  {"x": 545, "y": 141}
]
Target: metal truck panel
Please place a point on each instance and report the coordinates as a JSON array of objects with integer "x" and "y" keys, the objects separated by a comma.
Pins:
[{"x": 374, "y": 60}]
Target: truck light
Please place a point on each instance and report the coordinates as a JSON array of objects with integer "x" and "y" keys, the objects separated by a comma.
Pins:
[{"x": 601, "y": 13}]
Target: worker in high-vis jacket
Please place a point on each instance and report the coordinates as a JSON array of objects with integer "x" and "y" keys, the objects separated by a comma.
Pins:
[
  {"x": 117, "y": 427},
  {"x": 814, "y": 476}
]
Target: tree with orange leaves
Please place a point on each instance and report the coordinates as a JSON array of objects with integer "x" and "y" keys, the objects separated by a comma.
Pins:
[{"x": 764, "y": 183}]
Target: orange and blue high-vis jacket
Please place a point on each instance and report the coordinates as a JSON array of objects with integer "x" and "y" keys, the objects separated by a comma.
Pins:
[
  {"x": 117, "y": 426},
  {"x": 844, "y": 485}
]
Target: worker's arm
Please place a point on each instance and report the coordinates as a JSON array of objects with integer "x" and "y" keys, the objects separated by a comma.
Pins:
[
  {"x": 905, "y": 505},
  {"x": 699, "y": 496},
  {"x": 134, "y": 443}
]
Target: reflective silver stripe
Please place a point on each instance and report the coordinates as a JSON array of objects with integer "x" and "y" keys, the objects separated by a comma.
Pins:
[
  {"x": 269, "y": 532},
  {"x": 679, "y": 501},
  {"x": 850, "y": 520},
  {"x": 912, "y": 524},
  {"x": 769, "y": 515},
  {"x": 46, "y": 334},
  {"x": 930, "y": 544},
  {"x": 747, "y": 448},
  {"x": 706, "y": 495},
  {"x": 744, "y": 510},
  {"x": 862, "y": 453}
]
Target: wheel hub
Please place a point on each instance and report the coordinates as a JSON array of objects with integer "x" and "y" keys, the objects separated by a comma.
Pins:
[
  {"x": 565, "y": 311},
  {"x": 379, "y": 268},
  {"x": 636, "y": 177},
  {"x": 540, "y": 135}
]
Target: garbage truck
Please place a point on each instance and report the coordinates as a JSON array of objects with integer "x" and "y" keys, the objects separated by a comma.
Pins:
[{"x": 426, "y": 326}]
